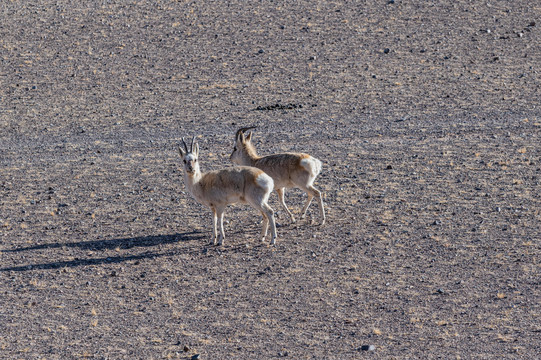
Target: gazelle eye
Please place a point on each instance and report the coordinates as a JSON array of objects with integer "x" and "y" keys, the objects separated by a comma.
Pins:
[
  {"x": 235, "y": 148},
  {"x": 184, "y": 161}
]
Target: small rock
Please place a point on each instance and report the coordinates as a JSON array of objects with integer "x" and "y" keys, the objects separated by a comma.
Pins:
[
  {"x": 368, "y": 348},
  {"x": 440, "y": 291},
  {"x": 186, "y": 349},
  {"x": 387, "y": 50},
  {"x": 196, "y": 357},
  {"x": 389, "y": 167}
]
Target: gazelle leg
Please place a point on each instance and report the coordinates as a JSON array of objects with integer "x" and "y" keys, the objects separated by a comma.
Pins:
[
  {"x": 215, "y": 227},
  {"x": 313, "y": 192},
  {"x": 265, "y": 227},
  {"x": 270, "y": 218},
  {"x": 321, "y": 209},
  {"x": 307, "y": 204},
  {"x": 222, "y": 233},
  {"x": 281, "y": 193}
]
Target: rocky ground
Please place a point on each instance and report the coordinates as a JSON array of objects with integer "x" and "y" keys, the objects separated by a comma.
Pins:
[{"x": 425, "y": 115}]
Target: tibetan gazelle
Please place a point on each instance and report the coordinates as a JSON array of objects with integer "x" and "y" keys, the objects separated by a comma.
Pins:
[
  {"x": 288, "y": 170},
  {"x": 217, "y": 189}
]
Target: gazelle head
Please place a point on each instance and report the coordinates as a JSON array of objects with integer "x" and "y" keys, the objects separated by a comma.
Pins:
[
  {"x": 189, "y": 157},
  {"x": 243, "y": 148}
]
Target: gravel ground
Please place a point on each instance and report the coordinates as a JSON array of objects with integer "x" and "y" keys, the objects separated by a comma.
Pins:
[{"x": 425, "y": 115}]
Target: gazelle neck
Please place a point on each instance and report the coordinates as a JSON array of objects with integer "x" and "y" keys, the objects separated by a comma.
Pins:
[
  {"x": 250, "y": 155},
  {"x": 192, "y": 179}
]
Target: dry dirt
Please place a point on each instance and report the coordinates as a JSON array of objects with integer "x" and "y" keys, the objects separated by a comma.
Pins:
[{"x": 425, "y": 114}]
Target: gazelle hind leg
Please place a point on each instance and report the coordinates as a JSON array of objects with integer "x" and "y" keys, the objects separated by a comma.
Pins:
[
  {"x": 321, "y": 209},
  {"x": 307, "y": 204},
  {"x": 281, "y": 197},
  {"x": 270, "y": 216},
  {"x": 265, "y": 227},
  {"x": 313, "y": 192}
]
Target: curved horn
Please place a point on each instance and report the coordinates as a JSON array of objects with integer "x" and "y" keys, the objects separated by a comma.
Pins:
[
  {"x": 242, "y": 130},
  {"x": 191, "y": 146}
]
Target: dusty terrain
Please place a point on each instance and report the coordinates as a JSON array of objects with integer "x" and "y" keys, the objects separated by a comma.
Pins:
[{"x": 427, "y": 120}]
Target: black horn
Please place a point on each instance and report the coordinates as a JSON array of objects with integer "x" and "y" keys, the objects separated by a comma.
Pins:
[
  {"x": 185, "y": 146},
  {"x": 242, "y": 130},
  {"x": 191, "y": 146}
]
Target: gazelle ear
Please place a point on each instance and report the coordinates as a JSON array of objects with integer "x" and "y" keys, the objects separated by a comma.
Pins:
[
  {"x": 249, "y": 136},
  {"x": 196, "y": 150},
  {"x": 182, "y": 153},
  {"x": 240, "y": 138}
]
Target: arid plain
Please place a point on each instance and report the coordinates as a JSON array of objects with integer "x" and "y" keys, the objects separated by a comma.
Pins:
[{"x": 425, "y": 115}]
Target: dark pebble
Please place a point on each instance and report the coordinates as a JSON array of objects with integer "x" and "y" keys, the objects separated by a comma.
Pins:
[
  {"x": 196, "y": 357},
  {"x": 368, "y": 348},
  {"x": 386, "y": 51}
]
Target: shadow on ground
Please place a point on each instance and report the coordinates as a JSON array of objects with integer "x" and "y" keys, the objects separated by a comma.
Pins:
[{"x": 123, "y": 243}]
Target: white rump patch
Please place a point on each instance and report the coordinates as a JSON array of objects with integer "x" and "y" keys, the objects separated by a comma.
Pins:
[
  {"x": 312, "y": 165},
  {"x": 265, "y": 181}
]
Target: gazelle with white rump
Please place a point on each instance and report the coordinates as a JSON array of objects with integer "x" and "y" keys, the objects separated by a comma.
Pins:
[
  {"x": 288, "y": 170},
  {"x": 217, "y": 189}
]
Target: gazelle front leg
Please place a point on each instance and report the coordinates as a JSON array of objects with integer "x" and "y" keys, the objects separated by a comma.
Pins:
[
  {"x": 220, "y": 212},
  {"x": 215, "y": 227},
  {"x": 280, "y": 193}
]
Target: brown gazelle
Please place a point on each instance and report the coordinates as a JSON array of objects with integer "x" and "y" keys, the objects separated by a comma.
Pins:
[
  {"x": 288, "y": 170},
  {"x": 217, "y": 189}
]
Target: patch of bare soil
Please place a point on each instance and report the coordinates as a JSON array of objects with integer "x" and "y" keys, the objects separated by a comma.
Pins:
[{"x": 425, "y": 115}]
